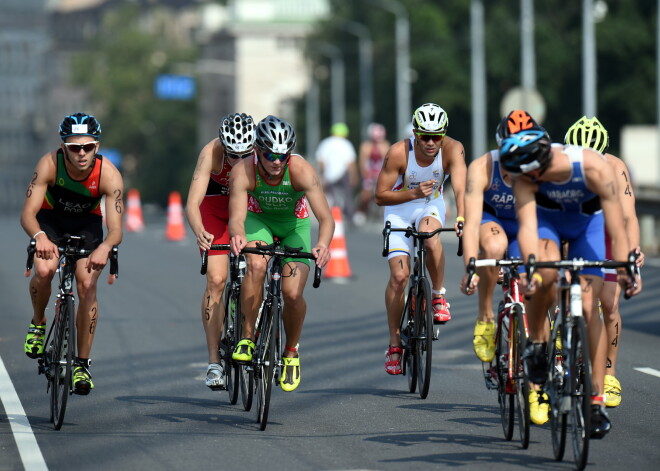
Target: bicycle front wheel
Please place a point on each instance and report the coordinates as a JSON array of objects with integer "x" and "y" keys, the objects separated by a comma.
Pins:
[
  {"x": 266, "y": 368},
  {"x": 423, "y": 336},
  {"x": 554, "y": 387},
  {"x": 580, "y": 414},
  {"x": 228, "y": 343},
  {"x": 407, "y": 329},
  {"x": 61, "y": 361},
  {"x": 522, "y": 386}
]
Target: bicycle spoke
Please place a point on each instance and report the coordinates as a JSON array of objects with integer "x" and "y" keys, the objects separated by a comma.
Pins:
[{"x": 505, "y": 387}]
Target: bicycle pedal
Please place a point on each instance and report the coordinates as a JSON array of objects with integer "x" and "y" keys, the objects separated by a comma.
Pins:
[{"x": 218, "y": 388}]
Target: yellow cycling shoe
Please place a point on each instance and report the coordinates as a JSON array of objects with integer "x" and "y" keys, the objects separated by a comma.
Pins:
[
  {"x": 290, "y": 377},
  {"x": 612, "y": 391},
  {"x": 244, "y": 351},
  {"x": 484, "y": 340},
  {"x": 539, "y": 407}
]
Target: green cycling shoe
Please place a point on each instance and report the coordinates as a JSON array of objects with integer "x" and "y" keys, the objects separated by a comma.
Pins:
[
  {"x": 34, "y": 340},
  {"x": 244, "y": 351},
  {"x": 290, "y": 378},
  {"x": 82, "y": 380}
]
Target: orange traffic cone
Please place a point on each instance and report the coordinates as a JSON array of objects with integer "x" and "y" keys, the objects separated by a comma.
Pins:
[
  {"x": 134, "y": 219},
  {"x": 338, "y": 266},
  {"x": 175, "y": 228}
]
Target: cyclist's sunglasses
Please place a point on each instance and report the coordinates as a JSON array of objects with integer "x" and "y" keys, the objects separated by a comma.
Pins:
[
  {"x": 76, "y": 148},
  {"x": 272, "y": 156},
  {"x": 233, "y": 155},
  {"x": 429, "y": 137}
]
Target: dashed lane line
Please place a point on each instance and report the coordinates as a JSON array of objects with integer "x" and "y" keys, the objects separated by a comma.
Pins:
[
  {"x": 649, "y": 371},
  {"x": 26, "y": 443}
]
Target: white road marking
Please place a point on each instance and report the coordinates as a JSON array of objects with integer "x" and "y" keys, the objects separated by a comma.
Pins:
[
  {"x": 27, "y": 445},
  {"x": 649, "y": 371}
]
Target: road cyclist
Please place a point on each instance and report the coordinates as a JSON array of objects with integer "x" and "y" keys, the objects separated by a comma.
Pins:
[
  {"x": 410, "y": 186},
  {"x": 207, "y": 211}
]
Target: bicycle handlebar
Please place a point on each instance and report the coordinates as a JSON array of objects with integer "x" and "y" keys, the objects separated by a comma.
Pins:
[
  {"x": 71, "y": 249},
  {"x": 473, "y": 264},
  {"x": 578, "y": 264},
  {"x": 411, "y": 232},
  {"x": 205, "y": 255},
  {"x": 286, "y": 251}
]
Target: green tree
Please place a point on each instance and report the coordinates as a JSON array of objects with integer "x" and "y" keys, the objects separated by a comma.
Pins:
[{"x": 156, "y": 137}]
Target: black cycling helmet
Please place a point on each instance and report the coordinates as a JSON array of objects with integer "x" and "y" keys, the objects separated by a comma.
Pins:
[
  {"x": 515, "y": 121},
  {"x": 275, "y": 135},
  {"x": 526, "y": 151},
  {"x": 80, "y": 124},
  {"x": 237, "y": 133}
]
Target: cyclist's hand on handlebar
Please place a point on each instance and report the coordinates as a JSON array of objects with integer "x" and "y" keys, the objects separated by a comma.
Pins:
[
  {"x": 46, "y": 249},
  {"x": 472, "y": 288},
  {"x": 527, "y": 288},
  {"x": 98, "y": 259},
  {"x": 204, "y": 240},
  {"x": 640, "y": 257},
  {"x": 322, "y": 254},
  {"x": 629, "y": 286},
  {"x": 237, "y": 243}
]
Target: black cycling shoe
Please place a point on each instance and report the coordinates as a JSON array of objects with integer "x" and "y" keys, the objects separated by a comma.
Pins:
[
  {"x": 535, "y": 362},
  {"x": 600, "y": 422}
]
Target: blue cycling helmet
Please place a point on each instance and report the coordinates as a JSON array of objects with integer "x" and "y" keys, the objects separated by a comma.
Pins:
[
  {"x": 80, "y": 124},
  {"x": 525, "y": 151}
]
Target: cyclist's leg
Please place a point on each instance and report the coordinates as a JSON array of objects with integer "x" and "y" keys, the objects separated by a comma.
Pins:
[
  {"x": 591, "y": 287},
  {"x": 609, "y": 299},
  {"x": 430, "y": 219},
  {"x": 294, "y": 278},
  {"x": 87, "y": 315},
  {"x": 252, "y": 290},
  {"x": 213, "y": 310},
  {"x": 40, "y": 290}
]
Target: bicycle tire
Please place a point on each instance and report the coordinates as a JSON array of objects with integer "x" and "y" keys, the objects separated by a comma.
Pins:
[
  {"x": 228, "y": 344},
  {"x": 580, "y": 392},
  {"x": 522, "y": 385},
  {"x": 62, "y": 361},
  {"x": 424, "y": 336},
  {"x": 409, "y": 359},
  {"x": 268, "y": 337},
  {"x": 554, "y": 387},
  {"x": 502, "y": 355}
]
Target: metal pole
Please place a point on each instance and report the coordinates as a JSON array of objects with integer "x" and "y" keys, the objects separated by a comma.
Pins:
[
  {"x": 479, "y": 141},
  {"x": 337, "y": 86},
  {"x": 588, "y": 59},
  {"x": 402, "y": 37},
  {"x": 366, "y": 74},
  {"x": 312, "y": 119},
  {"x": 528, "y": 63}
]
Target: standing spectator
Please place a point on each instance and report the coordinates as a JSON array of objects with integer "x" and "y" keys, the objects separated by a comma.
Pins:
[
  {"x": 372, "y": 152},
  {"x": 336, "y": 158}
]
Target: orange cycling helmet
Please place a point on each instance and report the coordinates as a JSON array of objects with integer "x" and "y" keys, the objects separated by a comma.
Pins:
[{"x": 515, "y": 121}]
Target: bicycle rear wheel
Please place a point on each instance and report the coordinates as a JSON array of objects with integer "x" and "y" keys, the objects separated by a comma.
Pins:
[
  {"x": 522, "y": 386},
  {"x": 61, "y": 361},
  {"x": 407, "y": 329},
  {"x": 554, "y": 387},
  {"x": 266, "y": 368},
  {"x": 580, "y": 414},
  {"x": 505, "y": 396},
  {"x": 423, "y": 336},
  {"x": 228, "y": 344}
]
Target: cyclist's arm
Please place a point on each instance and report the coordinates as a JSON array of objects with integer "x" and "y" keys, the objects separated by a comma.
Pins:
[
  {"x": 44, "y": 175},
  {"x": 394, "y": 165},
  {"x": 112, "y": 187},
  {"x": 627, "y": 199},
  {"x": 239, "y": 184},
  {"x": 528, "y": 235},
  {"x": 454, "y": 153},
  {"x": 304, "y": 178},
  {"x": 477, "y": 181},
  {"x": 197, "y": 190}
]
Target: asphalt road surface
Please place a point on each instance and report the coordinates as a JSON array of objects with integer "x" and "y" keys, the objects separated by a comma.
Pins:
[{"x": 151, "y": 410}]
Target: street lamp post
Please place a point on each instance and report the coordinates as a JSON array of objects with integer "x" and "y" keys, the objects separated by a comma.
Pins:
[
  {"x": 366, "y": 73},
  {"x": 479, "y": 144},
  {"x": 337, "y": 81},
  {"x": 402, "y": 37},
  {"x": 588, "y": 59}
]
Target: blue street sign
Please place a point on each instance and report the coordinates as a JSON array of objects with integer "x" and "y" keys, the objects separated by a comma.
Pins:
[{"x": 174, "y": 87}]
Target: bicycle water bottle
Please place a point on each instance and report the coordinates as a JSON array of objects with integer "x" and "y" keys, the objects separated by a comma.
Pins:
[{"x": 576, "y": 300}]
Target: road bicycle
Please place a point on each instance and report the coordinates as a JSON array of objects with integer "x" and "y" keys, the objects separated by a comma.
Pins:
[
  {"x": 569, "y": 386},
  {"x": 56, "y": 362},
  {"x": 417, "y": 329},
  {"x": 505, "y": 371},
  {"x": 238, "y": 377},
  {"x": 267, "y": 359}
]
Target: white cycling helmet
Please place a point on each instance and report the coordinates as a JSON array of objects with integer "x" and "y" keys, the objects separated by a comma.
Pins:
[
  {"x": 237, "y": 133},
  {"x": 275, "y": 135},
  {"x": 430, "y": 118}
]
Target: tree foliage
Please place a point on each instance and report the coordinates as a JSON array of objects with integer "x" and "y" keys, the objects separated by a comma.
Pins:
[
  {"x": 440, "y": 58},
  {"x": 156, "y": 137}
]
